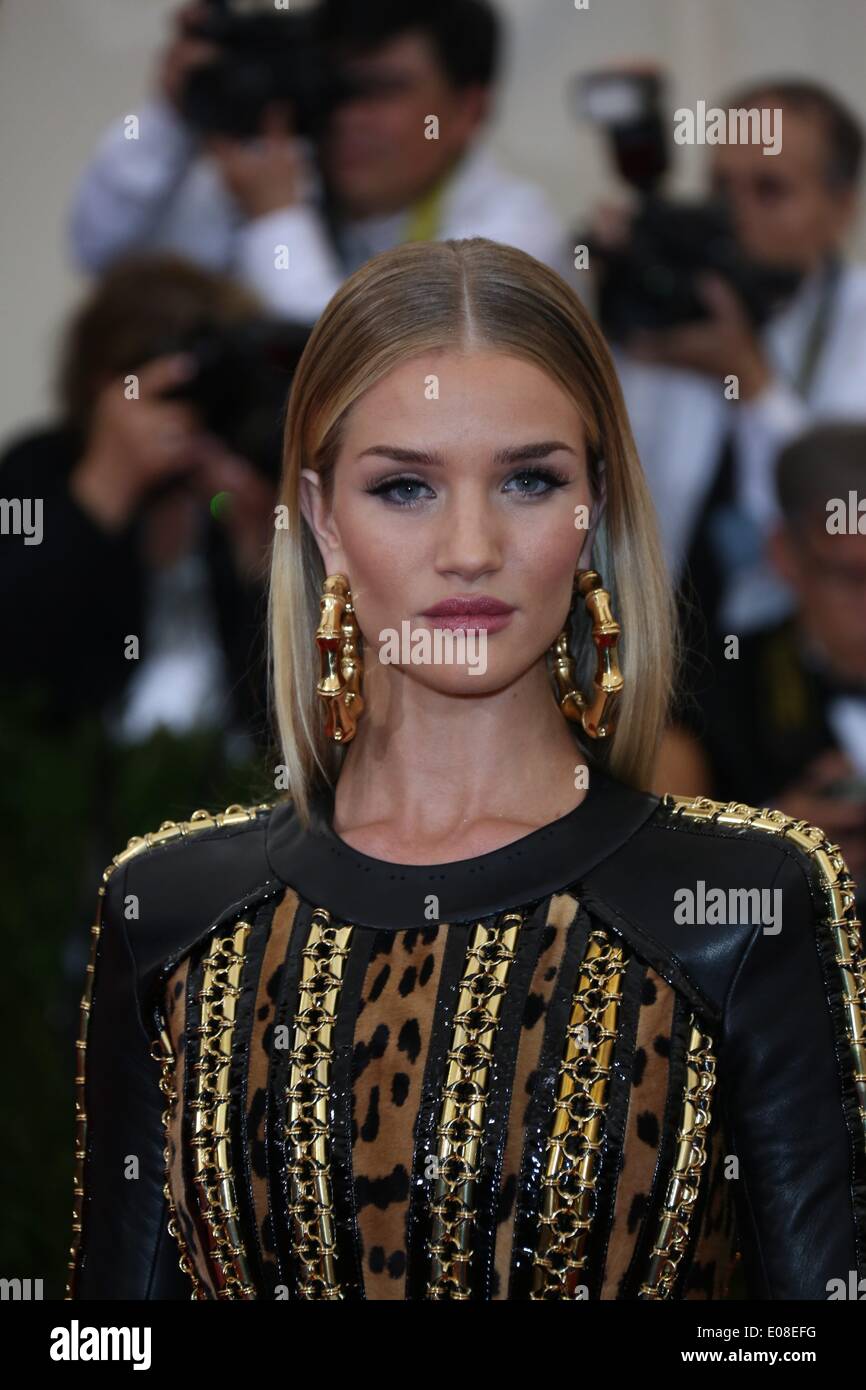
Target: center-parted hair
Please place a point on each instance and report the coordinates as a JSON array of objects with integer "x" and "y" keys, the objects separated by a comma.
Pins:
[{"x": 465, "y": 295}]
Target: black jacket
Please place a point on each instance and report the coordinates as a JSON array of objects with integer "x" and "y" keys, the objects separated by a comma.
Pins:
[
  {"x": 764, "y": 717},
  {"x": 515, "y": 1076},
  {"x": 64, "y": 631}
]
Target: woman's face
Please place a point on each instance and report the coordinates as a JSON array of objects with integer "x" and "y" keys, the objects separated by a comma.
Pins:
[{"x": 461, "y": 475}]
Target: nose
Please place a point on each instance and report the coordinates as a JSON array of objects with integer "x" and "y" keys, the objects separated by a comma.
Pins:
[
  {"x": 469, "y": 543},
  {"x": 355, "y": 109}
]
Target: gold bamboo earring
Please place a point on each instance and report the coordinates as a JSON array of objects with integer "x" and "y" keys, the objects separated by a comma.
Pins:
[
  {"x": 337, "y": 638},
  {"x": 599, "y": 717}
]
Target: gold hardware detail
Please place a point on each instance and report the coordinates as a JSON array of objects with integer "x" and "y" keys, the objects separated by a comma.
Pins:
[
  {"x": 460, "y": 1131},
  {"x": 685, "y": 1180},
  {"x": 310, "y": 1061},
  {"x": 161, "y": 1051},
  {"x": 211, "y": 1141},
  {"x": 577, "y": 1131}
]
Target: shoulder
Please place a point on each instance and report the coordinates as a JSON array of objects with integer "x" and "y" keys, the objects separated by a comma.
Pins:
[
  {"x": 854, "y": 281},
  {"x": 701, "y": 878},
  {"x": 482, "y": 177},
  {"x": 52, "y": 449},
  {"x": 179, "y": 845},
  {"x": 168, "y": 886},
  {"x": 699, "y": 824},
  {"x": 728, "y": 837}
]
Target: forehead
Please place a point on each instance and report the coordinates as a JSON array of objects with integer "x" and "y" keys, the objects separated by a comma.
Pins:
[
  {"x": 803, "y": 151},
  {"x": 846, "y": 547},
  {"x": 410, "y": 55},
  {"x": 444, "y": 392}
]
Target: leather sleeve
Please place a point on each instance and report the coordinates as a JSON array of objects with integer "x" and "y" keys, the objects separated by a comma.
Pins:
[
  {"x": 786, "y": 1075},
  {"x": 125, "y": 1248}
]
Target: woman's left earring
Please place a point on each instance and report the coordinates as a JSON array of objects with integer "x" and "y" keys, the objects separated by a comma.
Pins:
[
  {"x": 337, "y": 638},
  {"x": 598, "y": 715}
]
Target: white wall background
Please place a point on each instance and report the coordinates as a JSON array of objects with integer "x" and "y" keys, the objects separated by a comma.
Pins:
[{"x": 68, "y": 66}]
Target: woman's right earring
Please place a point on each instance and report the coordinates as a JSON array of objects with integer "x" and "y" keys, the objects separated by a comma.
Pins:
[
  {"x": 337, "y": 638},
  {"x": 598, "y": 718}
]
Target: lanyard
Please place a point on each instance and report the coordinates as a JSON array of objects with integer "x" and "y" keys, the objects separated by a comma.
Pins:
[{"x": 426, "y": 215}]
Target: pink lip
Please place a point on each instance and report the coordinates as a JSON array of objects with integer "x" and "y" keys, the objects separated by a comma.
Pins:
[
  {"x": 470, "y": 611},
  {"x": 467, "y": 603}
]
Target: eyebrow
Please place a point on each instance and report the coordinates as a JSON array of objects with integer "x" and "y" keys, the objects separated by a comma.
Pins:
[{"x": 521, "y": 453}]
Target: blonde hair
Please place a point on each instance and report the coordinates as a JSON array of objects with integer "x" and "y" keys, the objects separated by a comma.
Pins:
[{"x": 457, "y": 294}]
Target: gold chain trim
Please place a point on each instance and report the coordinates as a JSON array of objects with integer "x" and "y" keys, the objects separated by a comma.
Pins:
[
  {"x": 172, "y": 830},
  {"x": 310, "y": 1061},
  {"x": 842, "y": 916},
  {"x": 161, "y": 1051},
  {"x": 685, "y": 1179},
  {"x": 80, "y": 1149},
  {"x": 577, "y": 1132},
  {"x": 211, "y": 1141},
  {"x": 460, "y": 1130},
  {"x": 169, "y": 830}
]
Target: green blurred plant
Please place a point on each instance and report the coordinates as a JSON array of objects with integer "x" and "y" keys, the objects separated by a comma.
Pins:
[{"x": 69, "y": 801}]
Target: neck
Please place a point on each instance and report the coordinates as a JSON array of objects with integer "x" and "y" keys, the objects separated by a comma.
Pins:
[
  {"x": 428, "y": 764},
  {"x": 360, "y": 211}
]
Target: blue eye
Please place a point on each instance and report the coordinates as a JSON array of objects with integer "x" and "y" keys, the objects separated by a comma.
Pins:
[
  {"x": 388, "y": 487},
  {"x": 548, "y": 476},
  {"x": 405, "y": 491}
]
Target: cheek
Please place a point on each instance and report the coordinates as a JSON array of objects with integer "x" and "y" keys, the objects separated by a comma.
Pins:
[
  {"x": 549, "y": 547},
  {"x": 399, "y": 128},
  {"x": 381, "y": 567},
  {"x": 544, "y": 574},
  {"x": 796, "y": 217}
]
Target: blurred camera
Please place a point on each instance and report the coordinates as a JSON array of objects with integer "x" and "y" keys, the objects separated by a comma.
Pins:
[
  {"x": 264, "y": 57},
  {"x": 241, "y": 386},
  {"x": 650, "y": 281}
]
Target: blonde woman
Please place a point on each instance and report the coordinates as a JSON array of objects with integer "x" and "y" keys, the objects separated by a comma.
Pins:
[{"x": 466, "y": 1012}]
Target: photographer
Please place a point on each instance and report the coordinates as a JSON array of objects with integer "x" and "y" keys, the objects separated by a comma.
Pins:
[
  {"x": 785, "y": 724},
  {"x": 709, "y": 454},
  {"x": 333, "y": 176},
  {"x": 132, "y": 540}
]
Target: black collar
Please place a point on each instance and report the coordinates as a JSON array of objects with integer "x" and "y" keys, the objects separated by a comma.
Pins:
[{"x": 354, "y": 887}]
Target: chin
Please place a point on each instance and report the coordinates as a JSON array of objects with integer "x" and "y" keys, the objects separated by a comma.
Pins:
[
  {"x": 465, "y": 681},
  {"x": 360, "y": 192}
]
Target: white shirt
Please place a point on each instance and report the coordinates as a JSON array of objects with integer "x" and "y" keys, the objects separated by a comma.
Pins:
[
  {"x": 680, "y": 418},
  {"x": 846, "y": 715},
  {"x": 180, "y": 681},
  {"x": 160, "y": 193}
]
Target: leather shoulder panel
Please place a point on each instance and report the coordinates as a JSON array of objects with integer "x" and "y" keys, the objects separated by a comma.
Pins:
[
  {"x": 171, "y": 885},
  {"x": 699, "y": 878}
]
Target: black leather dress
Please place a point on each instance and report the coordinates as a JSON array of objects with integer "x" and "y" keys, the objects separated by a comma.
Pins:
[{"x": 602, "y": 1062}]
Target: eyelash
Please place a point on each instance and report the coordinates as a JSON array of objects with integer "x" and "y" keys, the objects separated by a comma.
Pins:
[{"x": 551, "y": 476}]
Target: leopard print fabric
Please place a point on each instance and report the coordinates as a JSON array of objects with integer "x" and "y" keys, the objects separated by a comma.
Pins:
[
  {"x": 389, "y": 1013},
  {"x": 392, "y": 1035}
]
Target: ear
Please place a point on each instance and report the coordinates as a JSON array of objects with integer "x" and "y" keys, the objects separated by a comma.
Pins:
[
  {"x": 319, "y": 519},
  {"x": 476, "y": 102}
]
